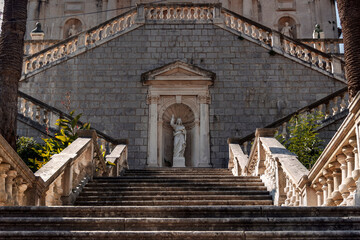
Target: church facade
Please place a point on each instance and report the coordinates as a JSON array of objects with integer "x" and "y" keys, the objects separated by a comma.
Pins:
[
  {"x": 63, "y": 18},
  {"x": 224, "y": 75}
]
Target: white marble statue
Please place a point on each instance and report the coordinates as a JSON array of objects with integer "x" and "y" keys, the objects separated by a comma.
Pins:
[
  {"x": 72, "y": 31},
  {"x": 179, "y": 137},
  {"x": 286, "y": 30}
]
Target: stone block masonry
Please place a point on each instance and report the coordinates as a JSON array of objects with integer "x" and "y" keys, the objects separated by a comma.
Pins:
[{"x": 251, "y": 90}]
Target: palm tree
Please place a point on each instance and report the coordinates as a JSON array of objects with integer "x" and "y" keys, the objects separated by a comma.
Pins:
[
  {"x": 11, "y": 58},
  {"x": 349, "y": 11}
]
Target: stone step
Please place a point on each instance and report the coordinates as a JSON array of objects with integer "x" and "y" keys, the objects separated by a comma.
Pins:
[
  {"x": 171, "y": 193},
  {"x": 175, "y": 188},
  {"x": 178, "y": 180},
  {"x": 195, "y": 175},
  {"x": 175, "y": 198},
  {"x": 172, "y": 184},
  {"x": 179, "y": 224},
  {"x": 89, "y": 202},
  {"x": 177, "y": 235},
  {"x": 179, "y": 211}
]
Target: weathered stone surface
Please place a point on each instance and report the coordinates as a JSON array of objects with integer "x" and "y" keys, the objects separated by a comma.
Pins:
[{"x": 252, "y": 88}]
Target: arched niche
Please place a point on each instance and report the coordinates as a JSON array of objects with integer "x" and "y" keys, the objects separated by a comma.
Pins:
[
  {"x": 72, "y": 26},
  {"x": 281, "y": 23},
  {"x": 183, "y": 111}
]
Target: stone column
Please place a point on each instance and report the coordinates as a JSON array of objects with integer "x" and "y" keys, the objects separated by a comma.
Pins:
[
  {"x": 160, "y": 142},
  {"x": 4, "y": 167},
  {"x": 195, "y": 155},
  {"x": 204, "y": 152},
  {"x": 153, "y": 131}
]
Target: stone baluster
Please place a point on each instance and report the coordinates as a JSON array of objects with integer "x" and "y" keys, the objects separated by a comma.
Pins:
[
  {"x": 322, "y": 181},
  {"x": 356, "y": 171},
  {"x": 327, "y": 110},
  {"x": 286, "y": 191},
  {"x": 38, "y": 114},
  {"x": 343, "y": 187},
  {"x": 253, "y": 31},
  {"x": 240, "y": 26},
  {"x": 196, "y": 14},
  {"x": 23, "y": 106},
  {"x": 9, "y": 182},
  {"x": 318, "y": 188},
  {"x": 350, "y": 183},
  {"x": 21, "y": 199},
  {"x": 335, "y": 107},
  {"x": 336, "y": 195},
  {"x": 330, "y": 187},
  {"x": 343, "y": 105},
  {"x": 4, "y": 167}
]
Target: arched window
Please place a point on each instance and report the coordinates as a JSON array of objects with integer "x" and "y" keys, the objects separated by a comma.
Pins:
[{"x": 72, "y": 27}]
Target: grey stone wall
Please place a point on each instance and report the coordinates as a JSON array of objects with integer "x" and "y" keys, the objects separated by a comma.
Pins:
[{"x": 252, "y": 88}]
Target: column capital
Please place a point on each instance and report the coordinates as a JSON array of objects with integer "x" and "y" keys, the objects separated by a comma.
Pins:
[
  {"x": 153, "y": 99},
  {"x": 204, "y": 98}
]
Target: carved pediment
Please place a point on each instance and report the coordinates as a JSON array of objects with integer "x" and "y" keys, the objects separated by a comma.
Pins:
[{"x": 178, "y": 73}]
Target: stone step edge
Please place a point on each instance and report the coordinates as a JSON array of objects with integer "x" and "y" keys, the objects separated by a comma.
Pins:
[{"x": 181, "y": 234}]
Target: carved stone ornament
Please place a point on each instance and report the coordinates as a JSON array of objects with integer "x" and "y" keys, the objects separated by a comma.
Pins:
[
  {"x": 204, "y": 99},
  {"x": 153, "y": 99}
]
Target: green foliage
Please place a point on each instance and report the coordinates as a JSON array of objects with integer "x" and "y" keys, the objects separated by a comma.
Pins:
[
  {"x": 25, "y": 149},
  {"x": 304, "y": 140},
  {"x": 66, "y": 135}
]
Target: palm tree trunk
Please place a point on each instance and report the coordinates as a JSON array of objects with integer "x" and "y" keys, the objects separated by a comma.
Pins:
[
  {"x": 349, "y": 11},
  {"x": 11, "y": 58}
]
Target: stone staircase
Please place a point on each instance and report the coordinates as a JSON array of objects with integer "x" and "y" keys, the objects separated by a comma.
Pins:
[
  {"x": 175, "y": 187},
  {"x": 178, "y": 204}
]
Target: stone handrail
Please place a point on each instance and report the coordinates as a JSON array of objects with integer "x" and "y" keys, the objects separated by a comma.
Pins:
[
  {"x": 333, "y": 179},
  {"x": 79, "y": 43},
  {"x": 329, "y": 106},
  {"x": 284, "y": 45},
  {"x": 60, "y": 180},
  {"x": 16, "y": 179},
  {"x": 44, "y": 118},
  {"x": 279, "y": 169},
  {"x": 327, "y": 45},
  {"x": 237, "y": 160},
  {"x": 34, "y": 46}
]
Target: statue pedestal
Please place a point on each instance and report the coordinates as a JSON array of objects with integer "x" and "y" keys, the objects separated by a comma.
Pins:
[{"x": 178, "y": 162}]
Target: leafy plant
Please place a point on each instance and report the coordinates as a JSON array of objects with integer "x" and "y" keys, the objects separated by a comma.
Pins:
[
  {"x": 25, "y": 149},
  {"x": 66, "y": 135},
  {"x": 304, "y": 140}
]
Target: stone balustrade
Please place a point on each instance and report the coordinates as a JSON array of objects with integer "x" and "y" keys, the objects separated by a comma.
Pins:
[
  {"x": 328, "y": 107},
  {"x": 43, "y": 118},
  {"x": 325, "y": 45},
  {"x": 336, "y": 173},
  {"x": 34, "y": 46},
  {"x": 185, "y": 13},
  {"x": 282, "y": 44},
  {"x": 180, "y": 12},
  {"x": 79, "y": 43},
  {"x": 333, "y": 179},
  {"x": 247, "y": 27},
  {"x": 16, "y": 180},
  {"x": 60, "y": 180}
]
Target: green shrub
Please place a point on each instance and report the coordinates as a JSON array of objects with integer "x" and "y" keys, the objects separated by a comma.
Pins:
[
  {"x": 26, "y": 148},
  {"x": 304, "y": 140},
  {"x": 66, "y": 135}
]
